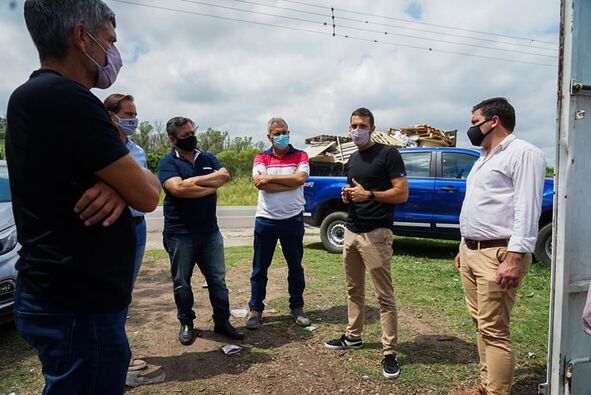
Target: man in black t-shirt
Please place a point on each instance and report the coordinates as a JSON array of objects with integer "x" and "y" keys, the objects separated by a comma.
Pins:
[
  {"x": 72, "y": 180},
  {"x": 376, "y": 181}
]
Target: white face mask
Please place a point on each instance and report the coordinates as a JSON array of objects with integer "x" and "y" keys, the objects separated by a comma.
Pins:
[
  {"x": 360, "y": 137},
  {"x": 128, "y": 125}
]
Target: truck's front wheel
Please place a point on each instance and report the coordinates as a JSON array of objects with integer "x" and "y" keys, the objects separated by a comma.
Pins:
[
  {"x": 332, "y": 231},
  {"x": 543, "y": 251}
]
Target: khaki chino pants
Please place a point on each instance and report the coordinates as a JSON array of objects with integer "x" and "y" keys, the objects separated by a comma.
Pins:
[
  {"x": 490, "y": 305},
  {"x": 371, "y": 251}
]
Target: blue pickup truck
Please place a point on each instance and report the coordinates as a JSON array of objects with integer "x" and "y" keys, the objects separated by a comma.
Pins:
[{"x": 437, "y": 184}]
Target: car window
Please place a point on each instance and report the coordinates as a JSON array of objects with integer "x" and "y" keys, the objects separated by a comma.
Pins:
[
  {"x": 4, "y": 185},
  {"x": 417, "y": 163},
  {"x": 455, "y": 165}
]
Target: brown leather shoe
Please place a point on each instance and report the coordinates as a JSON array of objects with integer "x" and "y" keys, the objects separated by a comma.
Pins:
[{"x": 477, "y": 391}]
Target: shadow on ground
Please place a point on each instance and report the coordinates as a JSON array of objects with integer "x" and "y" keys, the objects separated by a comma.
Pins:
[
  {"x": 420, "y": 248},
  {"x": 438, "y": 349}
]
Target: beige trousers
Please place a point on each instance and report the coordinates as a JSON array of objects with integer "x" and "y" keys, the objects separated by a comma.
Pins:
[
  {"x": 490, "y": 307},
  {"x": 371, "y": 251}
]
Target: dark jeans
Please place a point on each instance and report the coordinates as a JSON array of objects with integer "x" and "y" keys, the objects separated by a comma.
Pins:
[
  {"x": 79, "y": 353},
  {"x": 290, "y": 232},
  {"x": 207, "y": 250}
]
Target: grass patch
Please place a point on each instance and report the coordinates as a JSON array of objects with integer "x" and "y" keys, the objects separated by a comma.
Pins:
[
  {"x": 436, "y": 336},
  {"x": 238, "y": 192}
]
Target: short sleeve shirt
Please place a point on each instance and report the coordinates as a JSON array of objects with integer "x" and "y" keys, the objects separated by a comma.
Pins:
[
  {"x": 287, "y": 204},
  {"x": 58, "y": 135},
  {"x": 188, "y": 215},
  {"x": 373, "y": 168}
]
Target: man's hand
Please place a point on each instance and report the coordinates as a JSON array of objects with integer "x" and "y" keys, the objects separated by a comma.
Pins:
[
  {"x": 457, "y": 262},
  {"x": 260, "y": 180},
  {"x": 98, "y": 203},
  {"x": 358, "y": 194},
  {"x": 510, "y": 270},
  {"x": 345, "y": 194}
]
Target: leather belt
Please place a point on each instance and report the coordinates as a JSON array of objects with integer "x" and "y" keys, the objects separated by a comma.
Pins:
[
  {"x": 138, "y": 220},
  {"x": 480, "y": 244}
]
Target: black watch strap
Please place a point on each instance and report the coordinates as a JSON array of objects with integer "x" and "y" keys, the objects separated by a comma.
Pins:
[{"x": 372, "y": 195}]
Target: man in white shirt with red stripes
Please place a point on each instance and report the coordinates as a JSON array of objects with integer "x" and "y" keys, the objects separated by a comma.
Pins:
[
  {"x": 279, "y": 173},
  {"x": 499, "y": 227}
]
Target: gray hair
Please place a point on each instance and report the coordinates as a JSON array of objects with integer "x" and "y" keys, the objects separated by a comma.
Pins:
[
  {"x": 176, "y": 123},
  {"x": 276, "y": 120},
  {"x": 50, "y": 22}
]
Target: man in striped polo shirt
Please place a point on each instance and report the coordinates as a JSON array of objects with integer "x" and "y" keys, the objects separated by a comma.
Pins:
[{"x": 279, "y": 173}]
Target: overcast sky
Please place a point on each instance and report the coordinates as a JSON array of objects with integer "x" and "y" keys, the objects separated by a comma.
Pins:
[{"x": 234, "y": 76}]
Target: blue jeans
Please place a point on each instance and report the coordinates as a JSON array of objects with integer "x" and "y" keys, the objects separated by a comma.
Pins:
[
  {"x": 290, "y": 232},
  {"x": 207, "y": 251},
  {"x": 80, "y": 353},
  {"x": 140, "y": 234}
]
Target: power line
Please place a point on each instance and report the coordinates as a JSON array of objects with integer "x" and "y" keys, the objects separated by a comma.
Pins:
[
  {"x": 368, "y": 30},
  {"x": 327, "y": 33},
  {"x": 250, "y": 11},
  {"x": 447, "y": 42},
  {"x": 364, "y": 21},
  {"x": 419, "y": 22}
]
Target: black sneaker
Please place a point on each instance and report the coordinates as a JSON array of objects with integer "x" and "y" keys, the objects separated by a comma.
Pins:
[
  {"x": 344, "y": 344},
  {"x": 391, "y": 366}
]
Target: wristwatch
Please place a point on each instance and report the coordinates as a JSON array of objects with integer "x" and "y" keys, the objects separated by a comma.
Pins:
[{"x": 372, "y": 195}]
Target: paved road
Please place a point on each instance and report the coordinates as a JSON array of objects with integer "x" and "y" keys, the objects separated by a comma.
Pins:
[
  {"x": 236, "y": 224},
  {"x": 229, "y": 217}
]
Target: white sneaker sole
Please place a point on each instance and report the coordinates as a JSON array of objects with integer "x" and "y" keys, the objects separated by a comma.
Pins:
[
  {"x": 391, "y": 375},
  {"x": 331, "y": 347}
]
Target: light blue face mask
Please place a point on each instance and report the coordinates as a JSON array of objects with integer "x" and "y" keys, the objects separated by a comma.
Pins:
[
  {"x": 128, "y": 125},
  {"x": 281, "y": 141}
]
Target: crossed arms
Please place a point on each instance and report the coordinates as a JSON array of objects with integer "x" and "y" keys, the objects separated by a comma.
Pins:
[
  {"x": 279, "y": 183},
  {"x": 123, "y": 182},
  {"x": 199, "y": 186}
]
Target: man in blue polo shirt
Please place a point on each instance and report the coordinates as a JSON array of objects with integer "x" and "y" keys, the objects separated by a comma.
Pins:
[{"x": 191, "y": 235}]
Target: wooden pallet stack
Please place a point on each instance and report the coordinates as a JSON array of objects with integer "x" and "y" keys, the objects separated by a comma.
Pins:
[
  {"x": 429, "y": 136},
  {"x": 337, "y": 149}
]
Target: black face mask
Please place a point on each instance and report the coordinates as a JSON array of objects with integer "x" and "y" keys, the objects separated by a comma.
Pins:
[
  {"x": 187, "y": 144},
  {"x": 475, "y": 134}
]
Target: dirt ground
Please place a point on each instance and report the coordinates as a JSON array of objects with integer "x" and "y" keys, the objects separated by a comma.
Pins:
[{"x": 277, "y": 358}]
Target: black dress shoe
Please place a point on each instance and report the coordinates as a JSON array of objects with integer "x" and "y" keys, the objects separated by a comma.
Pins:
[
  {"x": 187, "y": 334},
  {"x": 226, "y": 329}
]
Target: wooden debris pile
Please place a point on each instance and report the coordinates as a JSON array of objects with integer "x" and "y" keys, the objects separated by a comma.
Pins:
[
  {"x": 337, "y": 149},
  {"x": 427, "y": 136}
]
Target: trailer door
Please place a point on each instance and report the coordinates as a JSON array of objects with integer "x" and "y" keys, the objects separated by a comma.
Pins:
[{"x": 569, "y": 348}]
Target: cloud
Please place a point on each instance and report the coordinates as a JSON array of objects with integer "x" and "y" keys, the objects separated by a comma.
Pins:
[{"x": 234, "y": 76}]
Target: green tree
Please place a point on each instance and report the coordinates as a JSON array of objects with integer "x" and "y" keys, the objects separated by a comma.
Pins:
[
  {"x": 549, "y": 171},
  {"x": 212, "y": 140},
  {"x": 238, "y": 144},
  {"x": 154, "y": 141},
  {"x": 239, "y": 164}
]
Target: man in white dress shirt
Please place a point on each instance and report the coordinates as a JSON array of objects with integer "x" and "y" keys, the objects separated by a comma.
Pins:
[{"x": 499, "y": 227}]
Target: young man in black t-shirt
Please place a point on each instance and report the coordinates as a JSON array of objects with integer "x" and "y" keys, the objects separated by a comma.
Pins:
[
  {"x": 376, "y": 181},
  {"x": 72, "y": 180}
]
